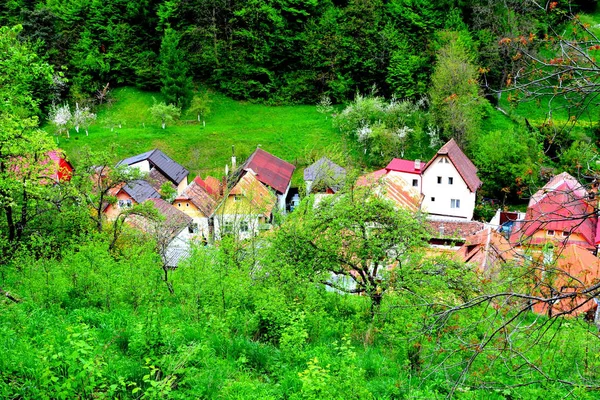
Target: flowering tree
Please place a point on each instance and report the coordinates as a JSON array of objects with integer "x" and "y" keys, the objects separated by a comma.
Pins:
[
  {"x": 61, "y": 118},
  {"x": 82, "y": 116}
]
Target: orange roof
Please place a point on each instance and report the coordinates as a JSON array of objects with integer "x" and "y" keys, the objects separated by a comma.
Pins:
[
  {"x": 574, "y": 270},
  {"x": 486, "y": 248},
  {"x": 392, "y": 187},
  {"x": 199, "y": 196}
]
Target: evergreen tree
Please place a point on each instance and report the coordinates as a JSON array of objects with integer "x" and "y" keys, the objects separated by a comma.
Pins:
[{"x": 176, "y": 85}]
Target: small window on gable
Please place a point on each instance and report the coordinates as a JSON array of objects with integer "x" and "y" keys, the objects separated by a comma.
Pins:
[
  {"x": 550, "y": 232},
  {"x": 415, "y": 182},
  {"x": 450, "y": 180},
  {"x": 237, "y": 197},
  {"x": 441, "y": 161},
  {"x": 439, "y": 179},
  {"x": 179, "y": 205},
  {"x": 187, "y": 204},
  {"x": 565, "y": 234},
  {"x": 446, "y": 161}
]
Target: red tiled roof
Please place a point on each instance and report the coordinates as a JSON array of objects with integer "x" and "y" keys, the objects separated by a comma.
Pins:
[
  {"x": 371, "y": 178},
  {"x": 214, "y": 184},
  {"x": 270, "y": 170},
  {"x": 400, "y": 165},
  {"x": 452, "y": 228},
  {"x": 204, "y": 185},
  {"x": 199, "y": 196},
  {"x": 466, "y": 169}
]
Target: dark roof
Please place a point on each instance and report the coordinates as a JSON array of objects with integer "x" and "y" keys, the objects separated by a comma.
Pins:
[
  {"x": 325, "y": 170},
  {"x": 175, "y": 219},
  {"x": 159, "y": 160},
  {"x": 400, "y": 165},
  {"x": 157, "y": 179},
  {"x": 140, "y": 191},
  {"x": 466, "y": 169},
  {"x": 270, "y": 170}
]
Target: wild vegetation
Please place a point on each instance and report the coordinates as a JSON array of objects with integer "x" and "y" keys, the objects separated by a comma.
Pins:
[{"x": 87, "y": 308}]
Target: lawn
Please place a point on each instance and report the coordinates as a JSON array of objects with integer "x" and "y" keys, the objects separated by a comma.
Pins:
[{"x": 297, "y": 134}]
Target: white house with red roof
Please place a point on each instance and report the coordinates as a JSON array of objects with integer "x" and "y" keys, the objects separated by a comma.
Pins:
[{"x": 448, "y": 182}]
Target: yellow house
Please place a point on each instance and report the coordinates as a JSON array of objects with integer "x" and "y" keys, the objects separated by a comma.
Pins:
[
  {"x": 247, "y": 207},
  {"x": 198, "y": 202}
]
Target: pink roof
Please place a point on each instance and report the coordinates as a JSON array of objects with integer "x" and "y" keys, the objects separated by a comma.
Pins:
[
  {"x": 371, "y": 178},
  {"x": 400, "y": 165},
  {"x": 562, "y": 208},
  {"x": 466, "y": 169},
  {"x": 270, "y": 170}
]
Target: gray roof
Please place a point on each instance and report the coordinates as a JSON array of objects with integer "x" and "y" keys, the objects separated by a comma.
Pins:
[
  {"x": 159, "y": 160},
  {"x": 141, "y": 191},
  {"x": 325, "y": 170}
]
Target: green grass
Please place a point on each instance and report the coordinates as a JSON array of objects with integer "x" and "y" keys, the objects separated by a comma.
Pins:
[{"x": 296, "y": 134}]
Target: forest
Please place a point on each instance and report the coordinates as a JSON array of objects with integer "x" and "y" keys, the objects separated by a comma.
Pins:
[{"x": 88, "y": 306}]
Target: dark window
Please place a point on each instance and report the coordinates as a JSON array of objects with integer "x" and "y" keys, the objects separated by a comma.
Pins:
[
  {"x": 439, "y": 179},
  {"x": 433, "y": 199},
  {"x": 450, "y": 181},
  {"x": 415, "y": 182}
]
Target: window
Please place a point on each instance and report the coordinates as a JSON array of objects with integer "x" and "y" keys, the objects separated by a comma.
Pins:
[
  {"x": 439, "y": 179},
  {"x": 179, "y": 205},
  {"x": 455, "y": 203},
  {"x": 244, "y": 226},
  {"x": 446, "y": 161},
  {"x": 550, "y": 232},
  {"x": 433, "y": 199},
  {"x": 237, "y": 197},
  {"x": 565, "y": 234},
  {"x": 227, "y": 227},
  {"x": 450, "y": 180},
  {"x": 415, "y": 182},
  {"x": 187, "y": 204},
  {"x": 125, "y": 203},
  {"x": 193, "y": 228}
]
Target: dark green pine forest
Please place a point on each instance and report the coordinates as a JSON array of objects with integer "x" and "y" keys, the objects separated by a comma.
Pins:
[{"x": 88, "y": 307}]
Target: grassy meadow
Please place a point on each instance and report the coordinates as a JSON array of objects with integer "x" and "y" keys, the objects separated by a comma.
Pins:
[{"x": 297, "y": 134}]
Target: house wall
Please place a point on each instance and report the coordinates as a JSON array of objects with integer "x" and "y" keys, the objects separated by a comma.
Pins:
[
  {"x": 281, "y": 198},
  {"x": 198, "y": 217},
  {"x": 243, "y": 226},
  {"x": 541, "y": 236},
  {"x": 443, "y": 192},
  {"x": 113, "y": 210},
  {"x": 180, "y": 244},
  {"x": 182, "y": 185},
  {"x": 143, "y": 166}
]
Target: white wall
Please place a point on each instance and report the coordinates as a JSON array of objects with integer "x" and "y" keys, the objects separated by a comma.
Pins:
[
  {"x": 143, "y": 166},
  {"x": 281, "y": 198},
  {"x": 443, "y": 192},
  {"x": 237, "y": 220},
  {"x": 182, "y": 185}
]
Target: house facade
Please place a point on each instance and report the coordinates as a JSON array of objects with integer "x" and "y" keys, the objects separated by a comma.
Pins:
[
  {"x": 198, "y": 202},
  {"x": 245, "y": 210},
  {"x": 271, "y": 171}
]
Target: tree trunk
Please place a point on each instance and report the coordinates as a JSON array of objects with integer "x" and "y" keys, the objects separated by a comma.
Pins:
[
  {"x": 77, "y": 128},
  {"x": 10, "y": 222},
  {"x": 164, "y": 125}
]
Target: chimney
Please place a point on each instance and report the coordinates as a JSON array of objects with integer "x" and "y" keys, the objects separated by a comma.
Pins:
[
  {"x": 226, "y": 169},
  {"x": 417, "y": 164},
  {"x": 233, "y": 159}
]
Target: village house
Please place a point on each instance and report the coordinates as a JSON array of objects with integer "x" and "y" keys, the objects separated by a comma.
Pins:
[
  {"x": 198, "y": 201},
  {"x": 171, "y": 233},
  {"x": 448, "y": 182},
  {"x": 59, "y": 169},
  {"x": 246, "y": 209},
  {"x": 271, "y": 171},
  {"x": 561, "y": 213},
  {"x": 160, "y": 168},
  {"x": 129, "y": 194},
  {"x": 324, "y": 176}
]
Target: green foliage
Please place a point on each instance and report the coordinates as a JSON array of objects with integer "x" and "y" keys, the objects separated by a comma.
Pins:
[
  {"x": 454, "y": 92},
  {"x": 163, "y": 113},
  {"x": 176, "y": 85},
  {"x": 201, "y": 106}
]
